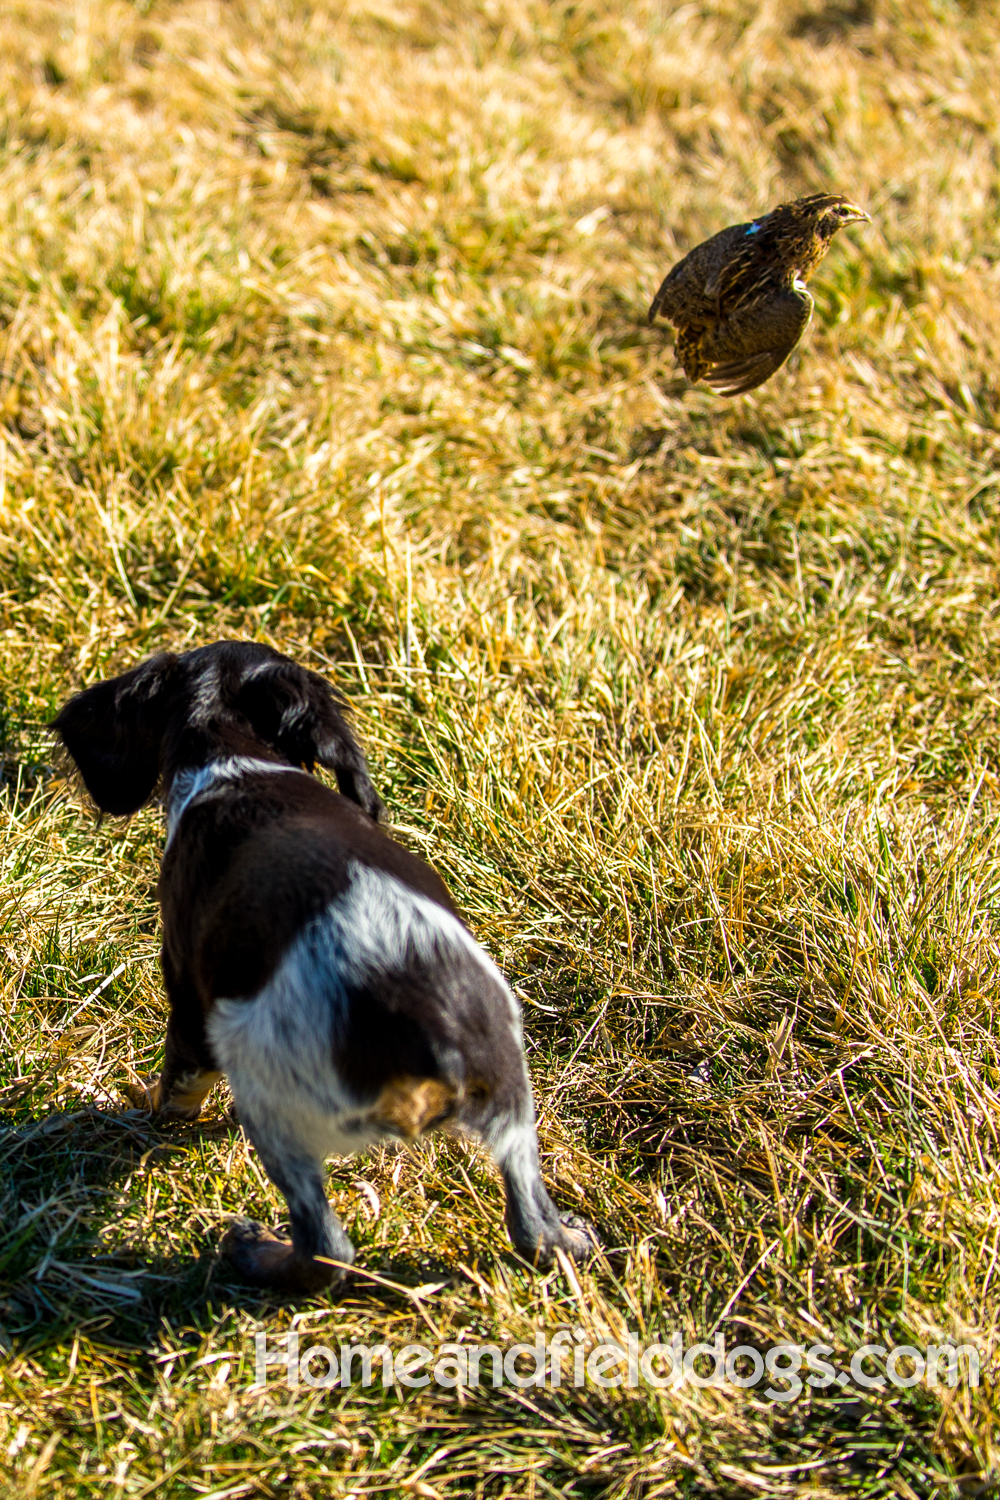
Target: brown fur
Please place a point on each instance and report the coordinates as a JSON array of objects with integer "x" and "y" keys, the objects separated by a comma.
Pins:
[{"x": 409, "y": 1106}]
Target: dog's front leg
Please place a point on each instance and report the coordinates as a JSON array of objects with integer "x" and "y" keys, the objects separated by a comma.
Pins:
[
  {"x": 189, "y": 1070},
  {"x": 188, "y": 1076}
]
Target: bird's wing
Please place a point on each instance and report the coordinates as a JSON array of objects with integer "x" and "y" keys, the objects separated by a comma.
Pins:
[
  {"x": 742, "y": 375},
  {"x": 781, "y": 328},
  {"x": 656, "y": 304},
  {"x": 689, "y": 291},
  {"x": 671, "y": 291}
]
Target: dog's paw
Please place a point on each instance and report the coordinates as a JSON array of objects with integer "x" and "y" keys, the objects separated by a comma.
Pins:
[
  {"x": 580, "y": 1239},
  {"x": 184, "y": 1102},
  {"x": 140, "y": 1093},
  {"x": 266, "y": 1260},
  {"x": 255, "y": 1251},
  {"x": 573, "y": 1236},
  {"x": 147, "y": 1093},
  {"x": 187, "y": 1114}
]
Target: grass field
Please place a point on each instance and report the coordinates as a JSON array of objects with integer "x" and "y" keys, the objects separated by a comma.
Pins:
[{"x": 325, "y": 324}]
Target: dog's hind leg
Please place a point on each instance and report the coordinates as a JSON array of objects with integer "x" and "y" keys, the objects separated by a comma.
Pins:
[
  {"x": 263, "y": 1258},
  {"x": 535, "y": 1225}
]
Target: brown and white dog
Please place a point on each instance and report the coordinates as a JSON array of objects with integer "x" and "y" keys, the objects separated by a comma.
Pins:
[{"x": 307, "y": 956}]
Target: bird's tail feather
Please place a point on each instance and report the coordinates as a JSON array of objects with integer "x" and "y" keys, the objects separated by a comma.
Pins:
[{"x": 738, "y": 376}]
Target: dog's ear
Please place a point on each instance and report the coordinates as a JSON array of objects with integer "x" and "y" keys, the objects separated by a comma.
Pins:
[
  {"x": 297, "y": 713},
  {"x": 114, "y": 729}
]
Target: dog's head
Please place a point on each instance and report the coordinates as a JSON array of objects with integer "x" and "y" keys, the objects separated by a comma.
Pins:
[{"x": 233, "y": 697}]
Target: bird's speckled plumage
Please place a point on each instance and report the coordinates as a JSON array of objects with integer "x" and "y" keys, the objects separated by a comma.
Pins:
[{"x": 739, "y": 300}]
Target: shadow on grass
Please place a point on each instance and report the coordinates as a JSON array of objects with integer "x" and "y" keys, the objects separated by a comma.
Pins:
[{"x": 69, "y": 1179}]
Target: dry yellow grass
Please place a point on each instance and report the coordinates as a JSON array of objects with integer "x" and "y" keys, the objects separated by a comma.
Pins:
[{"x": 326, "y": 325}]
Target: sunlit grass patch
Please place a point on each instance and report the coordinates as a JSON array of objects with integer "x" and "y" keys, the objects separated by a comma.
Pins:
[{"x": 328, "y": 327}]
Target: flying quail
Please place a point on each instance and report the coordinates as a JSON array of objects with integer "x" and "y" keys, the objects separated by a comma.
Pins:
[{"x": 739, "y": 300}]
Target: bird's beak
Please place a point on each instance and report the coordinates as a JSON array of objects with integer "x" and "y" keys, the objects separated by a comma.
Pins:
[{"x": 858, "y": 215}]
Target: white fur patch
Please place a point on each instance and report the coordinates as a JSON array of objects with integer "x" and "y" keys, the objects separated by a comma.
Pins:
[
  {"x": 206, "y": 694},
  {"x": 277, "y": 1049},
  {"x": 384, "y": 921},
  {"x": 206, "y": 781},
  {"x": 514, "y": 1147}
]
